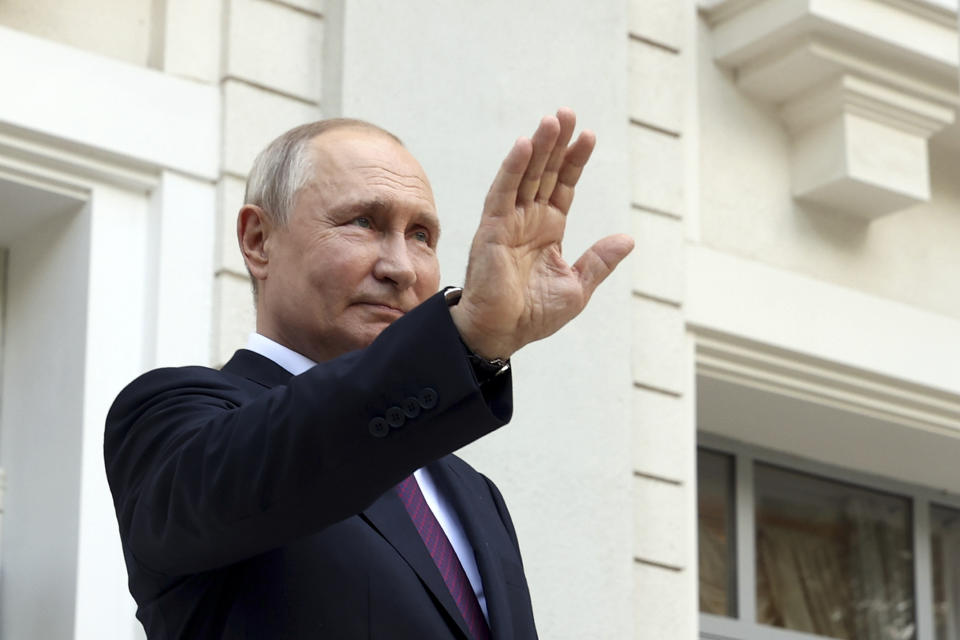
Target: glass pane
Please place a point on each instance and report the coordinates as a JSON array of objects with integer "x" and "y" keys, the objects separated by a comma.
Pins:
[
  {"x": 832, "y": 559},
  {"x": 945, "y": 550},
  {"x": 715, "y": 526}
]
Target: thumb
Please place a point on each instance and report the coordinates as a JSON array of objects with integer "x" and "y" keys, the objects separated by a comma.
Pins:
[{"x": 601, "y": 259}]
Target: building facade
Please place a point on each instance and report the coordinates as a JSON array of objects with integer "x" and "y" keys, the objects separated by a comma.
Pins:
[{"x": 752, "y": 430}]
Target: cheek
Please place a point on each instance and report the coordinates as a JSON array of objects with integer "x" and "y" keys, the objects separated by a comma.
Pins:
[
  {"x": 342, "y": 267},
  {"x": 428, "y": 273}
]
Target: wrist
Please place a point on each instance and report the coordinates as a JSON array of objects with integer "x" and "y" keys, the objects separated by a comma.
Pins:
[{"x": 477, "y": 342}]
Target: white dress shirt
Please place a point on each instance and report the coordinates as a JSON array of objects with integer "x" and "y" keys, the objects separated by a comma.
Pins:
[{"x": 296, "y": 364}]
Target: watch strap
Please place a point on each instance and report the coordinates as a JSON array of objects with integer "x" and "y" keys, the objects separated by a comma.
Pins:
[{"x": 484, "y": 370}]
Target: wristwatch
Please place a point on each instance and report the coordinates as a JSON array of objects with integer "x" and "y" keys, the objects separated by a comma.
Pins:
[{"x": 485, "y": 370}]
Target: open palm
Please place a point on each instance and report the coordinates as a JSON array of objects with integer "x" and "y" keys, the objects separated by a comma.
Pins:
[{"x": 518, "y": 287}]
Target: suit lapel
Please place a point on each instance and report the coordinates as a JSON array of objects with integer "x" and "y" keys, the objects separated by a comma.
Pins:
[
  {"x": 389, "y": 517},
  {"x": 474, "y": 511}
]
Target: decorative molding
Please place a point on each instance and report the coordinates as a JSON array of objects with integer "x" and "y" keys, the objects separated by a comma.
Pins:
[
  {"x": 933, "y": 11},
  {"x": 116, "y": 109},
  {"x": 862, "y": 98},
  {"x": 760, "y": 366},
  {"x": 59, "y": 166},
  {"x": 803, "y": 63},
  {"x": 862, "y": 85},
  {"x": 716, "y": 11},
  {"x": 904, "y": 340},
  {"x": 860, "y": 147}
]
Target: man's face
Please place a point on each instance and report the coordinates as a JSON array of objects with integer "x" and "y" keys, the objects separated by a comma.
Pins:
[{"x": 358, "y": 250}]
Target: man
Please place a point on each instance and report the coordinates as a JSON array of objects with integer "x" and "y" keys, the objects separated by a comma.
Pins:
[{"x": 274, "y": 498}]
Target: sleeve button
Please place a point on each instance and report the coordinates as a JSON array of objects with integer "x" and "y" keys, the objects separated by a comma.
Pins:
[
  {"x": 395, "y": 417},
  {"x": 379, "y": 428},
  {"x": 427, "y": 398},
  {"x": 411, "y": 407}
]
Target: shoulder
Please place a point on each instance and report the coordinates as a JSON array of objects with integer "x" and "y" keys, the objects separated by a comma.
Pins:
[
  {"x": 477, "y": 482},
  {"x": 179, "y": 381},
  {"x": 174, "y": 393},
  {"x": 246, "y": 374}
]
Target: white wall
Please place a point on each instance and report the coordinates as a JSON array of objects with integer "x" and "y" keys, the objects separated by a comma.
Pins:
[
  {"x": 874, "y": 304},
  {"x": 116, "y": 28},
  {"x": 122, "y": 331},
  {"x": 142, "y": 148},
  {"x": 458, "y": 82},
  {"x": 663, "y": 150},
  {"x": 747, "y": 208},
  {"x": 40, "y": 415},
  {"x": 107, "y": 110}
]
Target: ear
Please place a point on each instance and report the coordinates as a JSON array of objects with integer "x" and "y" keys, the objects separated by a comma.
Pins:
[{"x": 253, "y": 229}]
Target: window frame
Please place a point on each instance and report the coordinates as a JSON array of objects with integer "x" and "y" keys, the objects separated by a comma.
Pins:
[{"x": 744, "y": 625}]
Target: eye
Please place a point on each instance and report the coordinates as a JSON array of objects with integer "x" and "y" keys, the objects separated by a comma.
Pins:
[
  {"x": 362, "y": 221},
  {"x": 422, "y": 236}
]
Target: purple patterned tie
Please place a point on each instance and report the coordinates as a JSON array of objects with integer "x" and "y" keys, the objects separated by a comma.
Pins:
[{"x": 443, "y": 556}]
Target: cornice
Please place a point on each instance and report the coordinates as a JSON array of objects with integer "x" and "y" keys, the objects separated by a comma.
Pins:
[
  {"x": 946, "y": 16},
  {"x": 910, "y": 114},
  {"x": 61, "y": 167},
  {"x": 716, "y": 11},
  {"x": 879, "y": 31},
  {"x": 760, "y": 366},
  {"x": 798, "y": 64}
]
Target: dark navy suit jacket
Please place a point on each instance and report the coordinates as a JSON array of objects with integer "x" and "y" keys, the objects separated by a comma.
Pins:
[{"x": 256, "y": 504}]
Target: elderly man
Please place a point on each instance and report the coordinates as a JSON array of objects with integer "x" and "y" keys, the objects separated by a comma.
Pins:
[{"x": 307, "y": 489}]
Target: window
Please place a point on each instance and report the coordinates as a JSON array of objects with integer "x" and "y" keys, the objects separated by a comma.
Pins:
[
  {"x": 715, "y": 526},
  {"x": 945, "y": 556},
  {"x": 789, "y": 549},
  {"x": 832, "y": 559}
]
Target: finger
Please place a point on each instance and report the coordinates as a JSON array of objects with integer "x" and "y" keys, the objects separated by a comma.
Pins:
[
  {"x": 600, "y": 260},
  {"x": 574, "y": 161},
  {"x": 544, "y": 139},
  {"x": 568, "y": 121},
  {"x": 502, "y": 196}
]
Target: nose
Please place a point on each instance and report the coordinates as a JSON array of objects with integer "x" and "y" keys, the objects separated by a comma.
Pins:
[{"x": 394, "y": 263}]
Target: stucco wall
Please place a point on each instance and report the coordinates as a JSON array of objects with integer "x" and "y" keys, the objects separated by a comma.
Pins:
[
  {"x": 598, "y": 463},
  {"x": 746, "y": 206},
  {"x": 43, "y": 353},
  {"x": 459, "y": 82},
  {"x": 116, "y": 28}
]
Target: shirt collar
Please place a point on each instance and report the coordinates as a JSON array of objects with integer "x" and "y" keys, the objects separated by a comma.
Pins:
[{"x": 287, "y": 358}]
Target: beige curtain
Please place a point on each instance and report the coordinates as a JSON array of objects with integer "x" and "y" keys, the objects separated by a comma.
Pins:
[
  {"x": 881, "y": 572},
  {"x": 714, "y": 584},
  {"x": 947, "y": 587},
  {"x": 851, "y": 580},
  {"x": 800, "y": 583}
]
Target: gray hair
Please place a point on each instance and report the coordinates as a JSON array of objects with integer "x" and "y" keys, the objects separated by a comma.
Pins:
[{"x": 285, "y": 167}]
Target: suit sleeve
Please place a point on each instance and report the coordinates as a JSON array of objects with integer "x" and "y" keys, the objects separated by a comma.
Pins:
[{"x": 204, "y": 476}]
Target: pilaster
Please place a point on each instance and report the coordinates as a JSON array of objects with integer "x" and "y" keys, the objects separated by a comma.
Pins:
[
  {"x": 270, "y": 81},
  {"x": 663, "y": 424}
]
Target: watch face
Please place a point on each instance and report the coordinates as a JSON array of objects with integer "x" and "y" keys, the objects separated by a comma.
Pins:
[{"x": 452, "y": 295}]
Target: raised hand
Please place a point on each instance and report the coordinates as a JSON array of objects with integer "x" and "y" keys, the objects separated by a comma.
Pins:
[{"x": 518, "y": 286}]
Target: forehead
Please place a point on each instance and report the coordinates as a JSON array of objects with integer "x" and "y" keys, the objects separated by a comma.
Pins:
[{"x": 353, "y": 162}]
